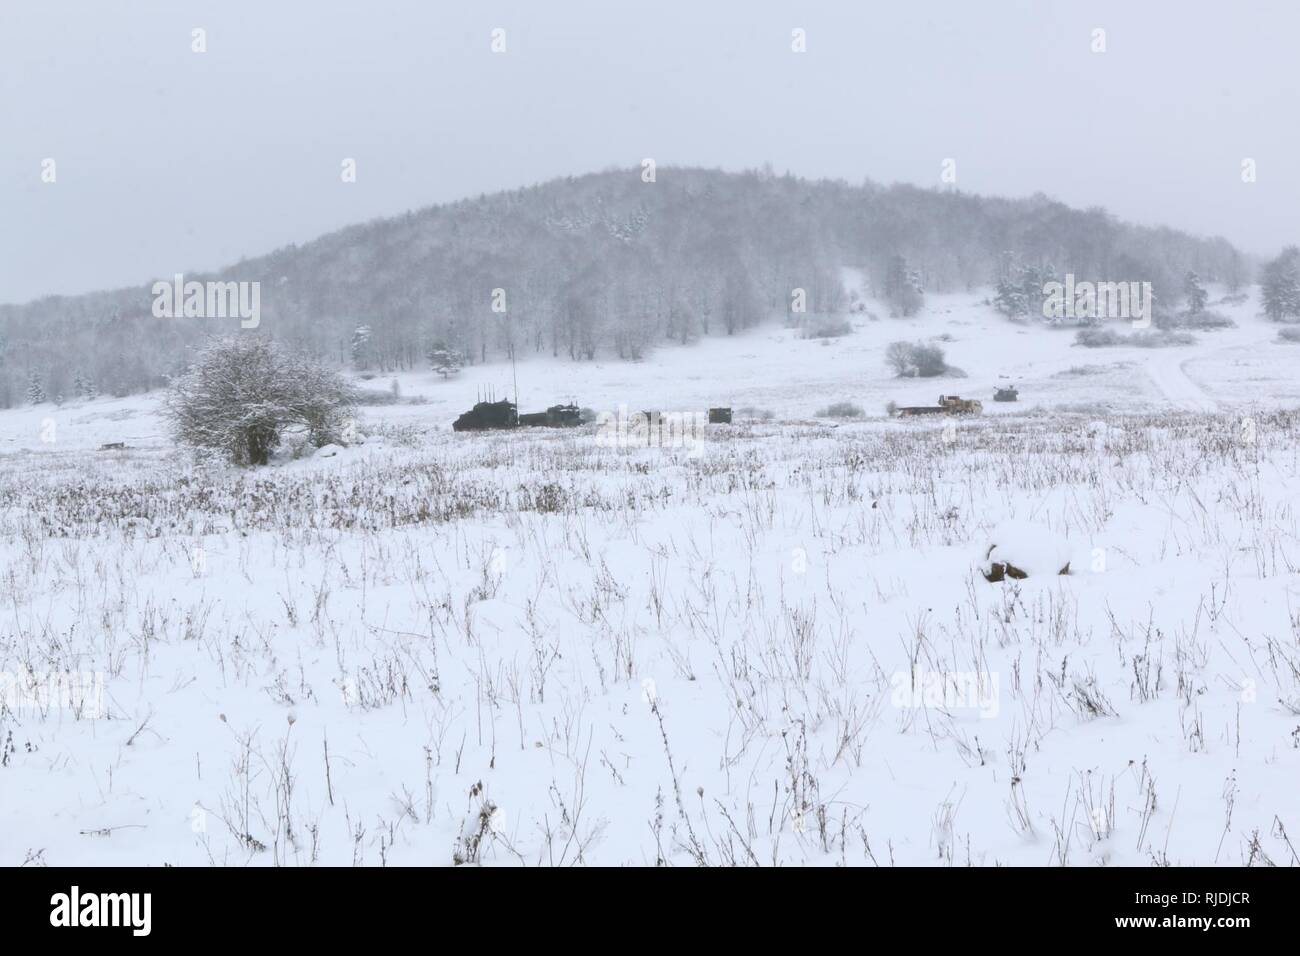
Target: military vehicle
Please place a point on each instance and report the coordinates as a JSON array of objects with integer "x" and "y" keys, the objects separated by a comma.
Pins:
[
  {"x": 557, "y": 416},
  {"x": 948, "y": 405},
  {"x": 485, "y": 416}
]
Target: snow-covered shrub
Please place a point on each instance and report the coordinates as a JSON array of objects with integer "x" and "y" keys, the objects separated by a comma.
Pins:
[
  {"x": 244, "y": 392},
  {"x": 377, "y": 396},
  {"x": 1080, "y": 370},
  {"x": 1152, "y": 339},
  {"x": 1206, "y": 320},
  {"x": 916, "y": 360},
  {"x": 827, "y": 327},
  {"x": 841, "y": 410}
]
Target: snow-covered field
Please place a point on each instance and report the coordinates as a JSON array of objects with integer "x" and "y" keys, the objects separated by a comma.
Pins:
[{"x": 773, "y": 647}]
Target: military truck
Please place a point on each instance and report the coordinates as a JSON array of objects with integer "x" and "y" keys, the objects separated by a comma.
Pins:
[{"x": 948, "y": 405}]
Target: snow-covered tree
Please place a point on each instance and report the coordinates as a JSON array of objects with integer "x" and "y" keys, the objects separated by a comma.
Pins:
[
  {"x": 1019, "y": 289},
  {"x": 83, "y": 386},
  {"x": 915, "y": 360},
  {"x": 360, "y": 347},
  {"x": 244, "y": 392},
  {"x": 443, "y": 360},
  {"x": 1195, "y": 293},
  {"x": 902, "y": 287},
  {"x": 35, "y": 390},
  {"x": 1010, "y": 300},
  {"x": 1279, "y": 285}
]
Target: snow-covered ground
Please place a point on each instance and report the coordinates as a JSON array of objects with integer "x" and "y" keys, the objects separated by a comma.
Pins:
[{"x": 774, "y": 647}]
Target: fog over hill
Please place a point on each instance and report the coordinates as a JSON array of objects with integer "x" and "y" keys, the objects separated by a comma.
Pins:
[{"x": 607, "y": 265}]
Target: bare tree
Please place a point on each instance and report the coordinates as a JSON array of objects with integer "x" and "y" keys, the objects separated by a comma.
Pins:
[
  {"x": 917, "y": 360},
  {"x": 244, "y": 392}
]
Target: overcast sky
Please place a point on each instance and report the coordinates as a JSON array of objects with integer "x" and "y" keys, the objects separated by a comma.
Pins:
[{"x": 169, "y": 160}]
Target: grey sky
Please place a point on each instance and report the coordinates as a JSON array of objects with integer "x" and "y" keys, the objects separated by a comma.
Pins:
[{"x": 168, "y": 160}]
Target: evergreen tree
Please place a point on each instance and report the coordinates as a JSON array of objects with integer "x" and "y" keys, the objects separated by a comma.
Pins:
[
  {"x": 1010, "y": 300},
  {"x": 1019, "y": 289},
  {"x": 35, "y": 391},
  {"x": 361, "y": 348},
  {"x": 1195, "y": 292},
  {"x": 443, "y": 360},
  {"x": 1280, "y": 285},
  {"x": 902, "y": 287}
]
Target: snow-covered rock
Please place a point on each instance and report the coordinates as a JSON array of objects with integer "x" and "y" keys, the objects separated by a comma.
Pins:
[
  {"x": 1019, "y": 549},
  {"x": 327, "y": 451}
]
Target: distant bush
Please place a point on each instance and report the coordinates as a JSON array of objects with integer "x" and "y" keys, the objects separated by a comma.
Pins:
[
  {"x": 841, "y": 410},
  {"x": 1110, "y": 338},
  {"x": 755, "y": 414},
  {"x": 915, "y": 360},
  {"x": 1234, "y": 298},
  {"x": 375, "y": 396},
  {"x": 1078, "y": 370},
  {"x": 1289, "y": 334},
  {"x": 1204, "y": 320},
  {"x": 827, "y": 327}
]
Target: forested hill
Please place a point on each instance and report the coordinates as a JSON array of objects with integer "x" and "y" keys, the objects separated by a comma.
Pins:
[{"x": 597, "y": 266}]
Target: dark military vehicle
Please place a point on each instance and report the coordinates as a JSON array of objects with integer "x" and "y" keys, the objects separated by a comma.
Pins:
[
  {"x": 557, "y": 416},
  {"x": 719, "y": 416},
  {"x": 488, "y": 415},
  {"x": 1005, "y": 393}
]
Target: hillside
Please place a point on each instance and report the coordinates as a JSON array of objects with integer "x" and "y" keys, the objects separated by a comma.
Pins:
[{"x": 595, "y": 267}]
